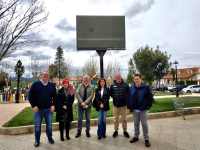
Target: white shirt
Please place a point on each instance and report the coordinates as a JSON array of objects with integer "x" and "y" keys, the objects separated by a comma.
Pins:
[
  {"x": 85, "y": 85},
  {"x": 44, "y": 83},
  {"x": 101, "y": 93}
]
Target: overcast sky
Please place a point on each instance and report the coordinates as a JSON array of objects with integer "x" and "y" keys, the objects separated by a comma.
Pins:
[{"x": 174, "y": 25}]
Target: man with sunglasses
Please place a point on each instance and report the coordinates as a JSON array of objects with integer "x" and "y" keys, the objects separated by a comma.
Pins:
[{"x": 42, "y": 97}]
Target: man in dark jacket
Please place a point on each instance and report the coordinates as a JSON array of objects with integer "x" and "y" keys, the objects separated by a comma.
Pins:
[
  {"x": 119, "y": 92},
  {"x": 139, "y": 101},
  {"x": 42, "y": 97}
]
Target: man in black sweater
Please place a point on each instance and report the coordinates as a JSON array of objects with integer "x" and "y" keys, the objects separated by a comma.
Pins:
[{"x": 42, "y": 97}]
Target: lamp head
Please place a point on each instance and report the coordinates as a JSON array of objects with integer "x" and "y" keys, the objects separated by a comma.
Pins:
[{"x": 176, "y": 63}]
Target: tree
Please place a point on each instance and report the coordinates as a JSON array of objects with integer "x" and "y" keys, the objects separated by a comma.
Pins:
[
  {"x": 21, "y": 72},
  {"x": 59, "y": 63},
  {"x": 67, "y": 68},
  {"x": 79, "y": 77},
  {"x": 173, "y": 73},
  {"x": 52, "y": 71},
  {"x": 35, "y": 66},
  {"x": 152, "y": 65},
  {"x": 113, "y": 68},
  {"x": 131, "y": 72},
  {"x": 21, "y": 23},
  {"x": 91, "y": 67}
]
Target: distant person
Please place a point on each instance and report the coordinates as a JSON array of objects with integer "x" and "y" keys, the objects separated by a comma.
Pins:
[
  {"x": 139, "y": 102},
  {"x": 119, "y": 92},
  {"x": 42, "y": 97},
  {"x": 85, "y": 93},
  {"x": 102, "y": 97},
  {"x": 64, "y": 109}
]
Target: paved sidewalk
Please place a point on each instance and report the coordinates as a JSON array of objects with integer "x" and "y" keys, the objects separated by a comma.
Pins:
[
  {"x": 165, "y": 134},
  {"x": 9, "y": 110}
]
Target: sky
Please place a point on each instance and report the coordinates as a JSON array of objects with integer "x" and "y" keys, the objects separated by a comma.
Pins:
[{"x": 174, "y": 25}]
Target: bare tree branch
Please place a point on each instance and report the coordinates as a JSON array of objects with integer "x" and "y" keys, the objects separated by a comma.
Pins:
[
  {"x": 20, "y": 23},
  {"x": 91, "y": 67}
]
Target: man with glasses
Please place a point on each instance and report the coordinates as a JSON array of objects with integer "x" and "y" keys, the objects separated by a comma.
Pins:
[
  {"x": 42, "y": 97},
  {"x": 139, "y": 102}
]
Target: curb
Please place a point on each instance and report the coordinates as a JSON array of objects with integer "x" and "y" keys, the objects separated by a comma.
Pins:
[{"x": 93, "y": 122}]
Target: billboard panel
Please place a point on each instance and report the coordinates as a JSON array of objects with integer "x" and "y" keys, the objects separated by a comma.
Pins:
[{"x": 100, "y": 32}]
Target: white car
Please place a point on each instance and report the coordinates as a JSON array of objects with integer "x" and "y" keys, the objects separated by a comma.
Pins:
[
  {"x": 191, "y": 88},
  {"x": 170, "y": 87}
]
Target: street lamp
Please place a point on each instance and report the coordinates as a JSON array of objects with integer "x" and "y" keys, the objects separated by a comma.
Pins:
[
  {"x": 176, "y": 65},
  {"x": 6, "y": 83},
  {"x": 19, "y": 64}
]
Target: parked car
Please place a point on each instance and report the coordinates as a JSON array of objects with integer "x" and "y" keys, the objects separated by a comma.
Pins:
[
  {"x": 170, "y": 87},
  {"x": 180, "y": 87},
  {"x": 191, "y": 88},
  {"x": 197, "y": 90},
  {"x": 7, "y": 89},
  {"x": 160, "y": 89}
]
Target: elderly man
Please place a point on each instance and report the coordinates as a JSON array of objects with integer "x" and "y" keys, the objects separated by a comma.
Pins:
[
  {"x": 119, "y": 92},
  {"x": 139, "y": 101},
  {"x": 85, "y": 93},
  {"x": 42, "y": 97}
]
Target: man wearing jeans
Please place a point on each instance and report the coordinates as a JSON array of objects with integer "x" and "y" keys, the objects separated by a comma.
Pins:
[
  {"x": 139, "y": 101},
  {"x": 42, "y": 97},
  {"x": 119, "y": 92},
  {"x": 85, "y": 93}
]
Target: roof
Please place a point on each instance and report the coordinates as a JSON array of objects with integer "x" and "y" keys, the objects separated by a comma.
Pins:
[
  {"x": 70, "y": 79},
  {"x": 75, "y": 78},
  {"x": 183, "y": 73}
]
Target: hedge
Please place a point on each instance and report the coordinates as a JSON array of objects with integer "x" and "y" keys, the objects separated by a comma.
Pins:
[{"x": 191, "y": 82}]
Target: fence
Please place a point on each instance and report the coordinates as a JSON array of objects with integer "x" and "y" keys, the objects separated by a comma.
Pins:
[{"x": 12, "y": 97}]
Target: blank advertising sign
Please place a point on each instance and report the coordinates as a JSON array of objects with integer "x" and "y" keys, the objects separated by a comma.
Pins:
[{"x": 100, "y": 32}]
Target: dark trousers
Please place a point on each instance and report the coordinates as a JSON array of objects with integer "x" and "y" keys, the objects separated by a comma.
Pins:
[{"x": 61, "y": 128}]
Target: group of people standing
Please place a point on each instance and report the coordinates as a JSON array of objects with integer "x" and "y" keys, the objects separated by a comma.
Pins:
[{"x": 137, "y": 99}]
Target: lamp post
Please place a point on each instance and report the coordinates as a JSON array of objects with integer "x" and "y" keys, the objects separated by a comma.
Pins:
[
  {"x": 176, "y": 65},
  {"x": 19, "y": 64},
  {"x": 6, "y": 84}
]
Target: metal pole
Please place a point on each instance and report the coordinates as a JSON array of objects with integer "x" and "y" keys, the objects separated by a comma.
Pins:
[
  {"x": 17, "y": 94},
  {"x": 10, "y": 84},
  {"x": 101, "y": 54},
  {"x": 176, "y": 84}
]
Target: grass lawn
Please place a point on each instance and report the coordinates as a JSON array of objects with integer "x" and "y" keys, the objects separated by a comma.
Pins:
[
  {"x": 25, "y": 117},
  {"x": 160, "y": 93}
]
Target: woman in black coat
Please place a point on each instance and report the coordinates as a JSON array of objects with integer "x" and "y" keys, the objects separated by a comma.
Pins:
[
  {"x": 102, "y": 97},
  {"x": 64, "y": 109}
]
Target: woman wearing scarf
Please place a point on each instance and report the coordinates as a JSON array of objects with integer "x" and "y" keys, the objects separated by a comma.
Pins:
[{"x": 64, "y": 109}]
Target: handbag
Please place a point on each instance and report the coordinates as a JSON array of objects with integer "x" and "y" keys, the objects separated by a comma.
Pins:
[{"x": 94, "y": 103}]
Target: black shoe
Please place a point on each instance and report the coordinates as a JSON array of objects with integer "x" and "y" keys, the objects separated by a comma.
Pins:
[
  {"x": 37, "y": 143},
  {"x": 62, "y": 138},
  {"x": 99, "y": 138},
  {"x": 87, "y": 134},
  {"x": 51, "y": 140},
  {"x": 77, "y": 135},
  {"x": 126, "y": 134},
  {"x": 104, "y": 136},
  {"x": 115, "y": 134},
  {"x": 68, "y": 138}
]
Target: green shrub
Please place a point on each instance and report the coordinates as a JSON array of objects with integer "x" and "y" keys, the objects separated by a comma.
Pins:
[
  {"x": 180, "y": 82},
  {"x": 191, "y": 82}
]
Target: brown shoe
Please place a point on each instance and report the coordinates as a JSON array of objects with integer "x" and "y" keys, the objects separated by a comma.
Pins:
[
  {"x": 134, "y": 140},
  {"x": 147, "y": 143}
]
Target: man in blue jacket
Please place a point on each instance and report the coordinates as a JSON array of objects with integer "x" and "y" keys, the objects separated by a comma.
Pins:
[
  {"x": 139, "y": 101},
  {"x": 42, "y": 97}
]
